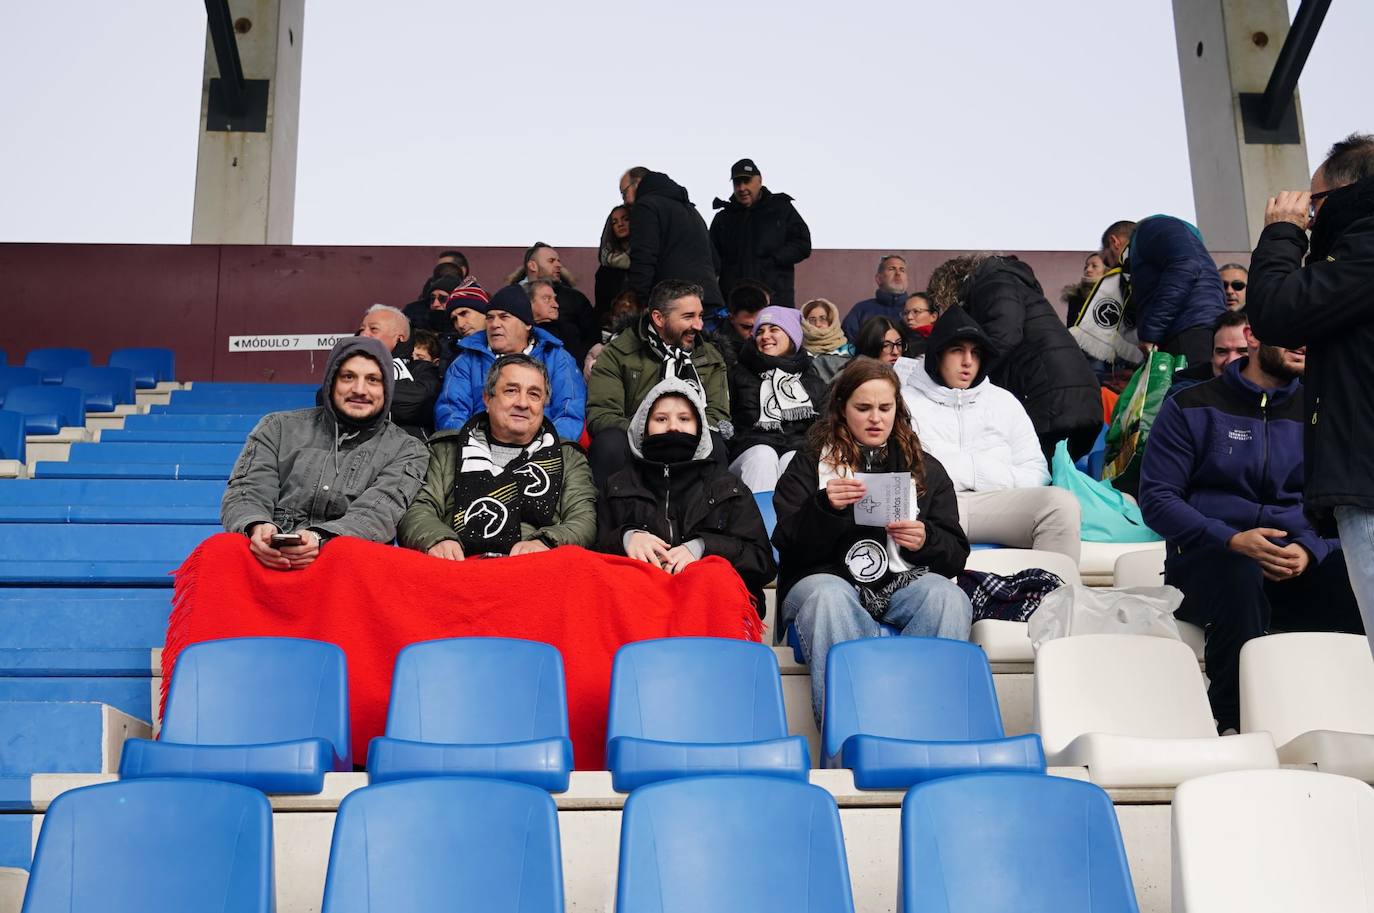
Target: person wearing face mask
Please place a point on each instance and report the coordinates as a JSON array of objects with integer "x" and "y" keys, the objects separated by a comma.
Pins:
[
  {"x": 672, "y": 504},
  {"x": 840, "y": 580},
  {"x": 339, "y": 469},
  {"x": 774, "y": 393},
  {"x": 985, "y": 440}
]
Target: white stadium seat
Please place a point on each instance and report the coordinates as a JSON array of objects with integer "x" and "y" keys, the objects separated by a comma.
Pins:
[
  {"x": 1134, "y": 712},
  {"x": 1006, "y": 641},
  {"x": 1097, "y": 560},
  {"x": 1273, "y": 841},
  {"x": 1314, "y": 694},
  {"x": 1145, "y": 567}
]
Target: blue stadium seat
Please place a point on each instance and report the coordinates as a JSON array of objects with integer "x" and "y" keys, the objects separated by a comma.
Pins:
[
  {"x": 690, "y": 706},
  {"x": 154, "y": 844},
  {"x": 228, "y": 407},
  {"x": 11, "y": 436},
  {"x": 47, "y": 409},
  {"x": 476, "y": 706},
  {"x": 84, "y": 554},
  {"x": 267, "y": 712},
  {"x": 4, "y": 359},
  {"x": 192, "y": 422},
  {"x": 110, "y": 501},
  {"x": 150, "y": 366},
  {"x": 104, "y": 388},
  {"x": 732, "y": 843},
  {"x": 128, "y": 435},
  {"x": 1012, "y": 841},
  {"x": 902, "y": 710},
  {"x": 53, "y": 363},
  {"x": 50, "y": 469},
  {"x": 11, "y": 377},
  {"x": 445, "y": 844},
  {"x": 156, "y": 452}
]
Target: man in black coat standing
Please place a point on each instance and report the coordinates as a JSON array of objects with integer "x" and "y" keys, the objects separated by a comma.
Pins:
[
  {"x": 1327, "y": 305},
  {"x": 668, "y": 237},
  {"x": 759, "y": 235}
]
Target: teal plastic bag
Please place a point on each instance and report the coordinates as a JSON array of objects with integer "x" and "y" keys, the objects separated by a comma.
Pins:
[{"x": 1108, "y": 516}]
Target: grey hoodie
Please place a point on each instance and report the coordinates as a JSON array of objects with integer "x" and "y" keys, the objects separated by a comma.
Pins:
[
  {"x": 678, "y": 387},
  {"x": 308, "y": 469}
]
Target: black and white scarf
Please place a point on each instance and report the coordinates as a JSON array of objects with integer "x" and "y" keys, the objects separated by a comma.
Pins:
[
  {"x": 675, "y": 360},
  {"x": 491, "y": 501}
]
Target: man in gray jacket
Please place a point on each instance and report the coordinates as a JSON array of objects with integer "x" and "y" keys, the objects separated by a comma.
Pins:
[{"x": 340, "y": 469}]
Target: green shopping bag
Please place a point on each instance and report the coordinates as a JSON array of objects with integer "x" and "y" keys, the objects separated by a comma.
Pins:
[
  {"x": 1108, "y": 515},
  {"x": 1134, "y": 415}
]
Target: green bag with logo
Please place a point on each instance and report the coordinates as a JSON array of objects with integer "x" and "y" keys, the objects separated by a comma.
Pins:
[{"x": 1133, "y": 416}]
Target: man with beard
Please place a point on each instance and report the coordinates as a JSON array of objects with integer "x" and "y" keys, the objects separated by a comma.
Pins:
[
  {"x": 1222, "y": 481},
  {"x": 666, "y": 341},
  {"x": 339, "y": 469},
  {"x": 889, "y": 301}
]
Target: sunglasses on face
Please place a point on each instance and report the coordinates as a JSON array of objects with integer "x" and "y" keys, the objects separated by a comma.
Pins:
[
  {"x": 1237, "y": 284},
  {"x": 1312, "y": 204}
]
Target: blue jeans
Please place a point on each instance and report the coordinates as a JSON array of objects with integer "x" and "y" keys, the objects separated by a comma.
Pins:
[
  {"x": 1356, "y": 528},
  {"x": 827, "y": 611}
]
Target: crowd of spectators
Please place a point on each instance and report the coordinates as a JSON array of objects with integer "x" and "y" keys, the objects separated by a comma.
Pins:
[{"x": 645, "y": 422}]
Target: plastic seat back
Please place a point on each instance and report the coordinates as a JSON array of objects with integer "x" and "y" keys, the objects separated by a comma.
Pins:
[
  {"x": 478, "y": 690},
  {"x": 54, "y": 362},
  {"x": 11, "y": 436},
  {"x": 48, "y": 409},
  {"x": 696, "y": 689},
  {"x": 1142, "y": 568},
  {"x": 11, "y": 377},
  {"x": 151, "y": 366},
  {"x": 104, "y": 388},
  {"x": 154, "y": 844},
  {"x": 993, "y": 842},
  {"x": 416, "y": 846},
  {"x": 252, "y": 690},
  {"x": 732, "y": 843},
  {"x": 1119, "y": 684},
  {"x": 1300, "y": 682},
  {"x": 918, "y": 688},
  {"x": 1008, "y": 561},
  {"x": 1266, "y": 841}
]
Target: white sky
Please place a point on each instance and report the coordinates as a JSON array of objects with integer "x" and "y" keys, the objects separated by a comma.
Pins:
[{"x": 894, "y": 123}]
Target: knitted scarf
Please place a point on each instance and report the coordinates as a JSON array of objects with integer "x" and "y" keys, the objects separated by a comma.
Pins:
[
  {"x": 782, "y": 398},
  {"x": 676, "y": 361},
  {"x": 494, "y": 501},
  {"x": 823, "y": 342}
]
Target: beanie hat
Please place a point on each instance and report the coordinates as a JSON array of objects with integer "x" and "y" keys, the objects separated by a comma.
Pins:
[
  {"x": 513, "y": 299},
  {"x": 786, "y": 319},
  {"x": 445, "y": 284}
]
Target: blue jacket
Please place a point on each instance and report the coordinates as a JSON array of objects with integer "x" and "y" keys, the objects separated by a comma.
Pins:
[
  {"x": 1175, "y": 285},
  {"x": 466, "y": 377},
  {"x": 1225, "y": 456},
  {"x": 882, "y": 304}
]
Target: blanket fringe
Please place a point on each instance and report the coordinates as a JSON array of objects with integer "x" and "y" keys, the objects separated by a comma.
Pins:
[{"x": 185, "y": 579}]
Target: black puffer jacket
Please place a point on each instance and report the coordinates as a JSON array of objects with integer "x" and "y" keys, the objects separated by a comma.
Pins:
[
  {"x": 764, "y": 242},
  {"x": 1328, "y": 306},
  {"x": 745, "y": 380},
  {"x": 1036, "y": 358},
  {"x": 679, "y": 502},
  {"x": 669, "y": 240}
]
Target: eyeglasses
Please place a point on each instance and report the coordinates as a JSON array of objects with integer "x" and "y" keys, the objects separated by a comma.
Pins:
[
  {"x": 1312, "y": 204},
  {"x": 1237, "y": 284},
  {"x": 891, "y": 346},
  {"x": 914, "y": 311}
]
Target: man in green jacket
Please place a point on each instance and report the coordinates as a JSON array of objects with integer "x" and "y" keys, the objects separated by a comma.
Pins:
[
  {"x": 667, "y": 340},
  {"x": 503, "y": 484}
]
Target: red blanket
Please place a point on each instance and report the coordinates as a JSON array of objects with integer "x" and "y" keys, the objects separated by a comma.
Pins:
[{"x": 372, "y": 600}]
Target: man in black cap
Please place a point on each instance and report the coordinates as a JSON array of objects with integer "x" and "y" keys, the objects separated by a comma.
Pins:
[{"x": 759, "y": 235}]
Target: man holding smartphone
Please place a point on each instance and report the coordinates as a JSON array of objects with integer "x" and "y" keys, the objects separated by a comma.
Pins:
[{"x": 339, "y": 469}]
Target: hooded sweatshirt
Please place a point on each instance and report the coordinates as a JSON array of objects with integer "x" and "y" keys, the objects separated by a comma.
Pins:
[
  {"x": 320, "y": 470},
  {"x": 982, "y": 435},
  {"x": 688, "y": 500}
]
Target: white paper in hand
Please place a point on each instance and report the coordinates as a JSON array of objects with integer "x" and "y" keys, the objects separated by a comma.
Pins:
[{"x": 887, "y": 499}]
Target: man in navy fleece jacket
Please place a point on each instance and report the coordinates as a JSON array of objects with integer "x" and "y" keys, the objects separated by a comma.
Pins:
[{"x": 1222, "y": 481}]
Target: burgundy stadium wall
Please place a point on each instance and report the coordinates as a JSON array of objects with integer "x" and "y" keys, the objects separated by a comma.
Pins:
[{"x": 192, "y": 298}]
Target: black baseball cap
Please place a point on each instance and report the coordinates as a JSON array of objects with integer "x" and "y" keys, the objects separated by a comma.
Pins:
[{"x": 744, "y": 168}]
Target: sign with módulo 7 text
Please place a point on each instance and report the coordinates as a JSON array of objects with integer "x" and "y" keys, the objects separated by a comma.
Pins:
[{"x": 286, "y": 342}]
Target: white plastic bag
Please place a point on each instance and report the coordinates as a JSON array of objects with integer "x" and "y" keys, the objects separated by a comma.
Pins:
[{"x": 1077, "y": 609}]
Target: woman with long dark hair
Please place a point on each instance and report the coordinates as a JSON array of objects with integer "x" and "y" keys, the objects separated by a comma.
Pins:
[
  {"x": 882, "y": 339},
  {"x": 614, "y": 262},
  {"x": 842, "y": 571}
]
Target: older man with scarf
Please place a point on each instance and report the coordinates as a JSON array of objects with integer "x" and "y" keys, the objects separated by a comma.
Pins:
[
  {"x": 503, "y": 484},
  {"x": 665, "y": 342},
  {"x": 775, "y": 388}
]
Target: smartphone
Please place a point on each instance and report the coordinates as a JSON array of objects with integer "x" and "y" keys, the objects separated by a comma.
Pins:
[{"x": 281, "y": 539}]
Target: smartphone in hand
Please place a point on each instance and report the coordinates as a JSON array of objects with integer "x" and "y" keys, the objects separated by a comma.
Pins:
[{"x": 283, "y": 539}]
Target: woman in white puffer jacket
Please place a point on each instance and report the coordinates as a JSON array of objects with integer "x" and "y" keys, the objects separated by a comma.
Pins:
[{"x": 984, "y": 438}]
